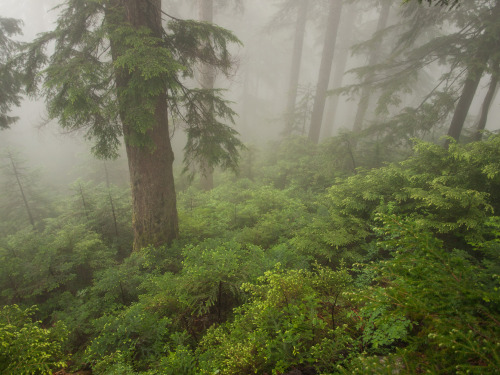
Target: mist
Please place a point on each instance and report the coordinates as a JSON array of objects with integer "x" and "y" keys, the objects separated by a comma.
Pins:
[{"x": 289, "y": 187}]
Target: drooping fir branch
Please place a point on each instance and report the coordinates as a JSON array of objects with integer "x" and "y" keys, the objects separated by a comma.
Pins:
[
  {"x": 450, "y": 3},
  {"x": 422, "y": 44},
  {"x": 90, "y": 102},
  {"x": 209, "y": 137},
  {"x": 9, "y": 75}
]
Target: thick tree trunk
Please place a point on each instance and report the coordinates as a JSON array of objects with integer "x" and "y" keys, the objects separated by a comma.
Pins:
[
  {"x": 340, "y": 63},
  {"x": 325, "y": 69},
  {"x": 485, "y": 108},
  {"x": 298, "y": 45},
  {"x": 373, "y": 59},
  {"x": 151, "y": 174},
  {"x": 152, "y": 181},
  {"x": 207, "y": 80}
]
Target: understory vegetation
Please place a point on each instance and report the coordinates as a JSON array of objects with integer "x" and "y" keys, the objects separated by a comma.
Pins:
[{"x": 312, "y": 259}]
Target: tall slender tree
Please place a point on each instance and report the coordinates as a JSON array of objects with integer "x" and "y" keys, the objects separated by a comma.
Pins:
[
  {"x": 116, "y": 71},
  {"x": 488, "y": 42},
  {"x": 21, "y": 188},
  {"x": 339, "y": 65},
  {"x": 485, "y": 107},
  {"x": 335, "y": 9},
  {"x": 373, "y": 58},
  {"x": 298, "y": 44},
  {"x": 207, "y": 80}
]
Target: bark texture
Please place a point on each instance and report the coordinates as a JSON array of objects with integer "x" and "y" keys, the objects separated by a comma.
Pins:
[
  {"x": 151, "y": 174},
  {"x": 325, "y": 69}
]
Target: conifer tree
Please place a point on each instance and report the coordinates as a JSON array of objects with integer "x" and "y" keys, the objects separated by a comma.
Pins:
[
  {"x": 486, "y": 47},
  {"x": 207, "y": 81},
  {"x": 333, "y": 23},
  {"x": 9, "y": 77},
  {"x": 23, "y": 201},
  {"x": 115, "y": 71},
  {"x": 464, "y": 53},
  {"x": 339, "y": 65},
  {"x": 300, "y": 29},
  {"x": 485, "y": 107},
  {"x": 373, "y": 58}
]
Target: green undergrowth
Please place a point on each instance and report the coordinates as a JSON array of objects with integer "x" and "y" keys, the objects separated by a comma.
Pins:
[{"x": 296, "y": 264}]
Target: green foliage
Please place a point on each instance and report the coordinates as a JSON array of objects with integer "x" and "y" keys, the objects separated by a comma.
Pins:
[
  {"x": 248, "y": 212},
  {"x": 241, "y": 291},
  {"x": 24, "y": 200},
  {"x": 9, "y": 76},
  {"x": 213, "y": 272},
  {"x": 113, "y": 289},
  {"x": 25, "y": 347},
  {"x": 120, "y": 73},
  {"x": 40, "y": 266},
  {"x": 442, "y": 304},
  {"x": 450, "y": 192},
  {"x": 299, "y": 163},
  {"x": 133, "y": 337},
  {"x": 105, "y": 210},
  {"x": 294, "y": 318}
]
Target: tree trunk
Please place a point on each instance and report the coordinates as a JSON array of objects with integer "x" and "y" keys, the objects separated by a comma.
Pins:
[
  {"x": 474, "y": 74},
  {"x": 485, "y": 108},
  {"x": 486, "y": 47},
  {"x": 151, "y": 175},
  {"x": 21, "y": 189},
  {"x": 373, "y": 59},
  {"x": 207, "y": 80},
  {"x": 340, "y": 63},
  {"x": 325, "y": 69},
  {"x": 300, "y": 29}
]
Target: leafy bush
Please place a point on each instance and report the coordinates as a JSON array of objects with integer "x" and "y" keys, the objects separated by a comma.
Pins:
[
  {"x": 294, "y": 318},
  {"x": 440, "y": 308},
  {"x": 449, "y": 192},
  {"x": 26, "y": 347}
]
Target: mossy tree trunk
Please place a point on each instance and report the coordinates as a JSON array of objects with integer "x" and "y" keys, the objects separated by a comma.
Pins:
[{"x": 151, "y": 173}]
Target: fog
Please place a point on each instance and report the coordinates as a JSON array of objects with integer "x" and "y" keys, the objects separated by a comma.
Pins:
[
  {"x": 258, "y": 86},
  {"x": 295, "y": 187}
]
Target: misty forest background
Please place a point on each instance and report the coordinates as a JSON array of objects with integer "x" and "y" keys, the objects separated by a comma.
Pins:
[{"x": 337, "y": 186}]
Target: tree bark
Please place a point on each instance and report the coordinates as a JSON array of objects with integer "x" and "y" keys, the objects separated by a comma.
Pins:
[
  {"x": 340, "y": 63},
  {"x": 485, "y": 108},
  {"x": 373, "y": 59},
  {"x": 151, "y": 173},
  {"x": 298, "y": 45},
  {"x": 207, "y": 81},
  {"x": 487, "y": 45},
  {"x": 325, "y": 69},
  {"x": 474, "y": 74}
]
